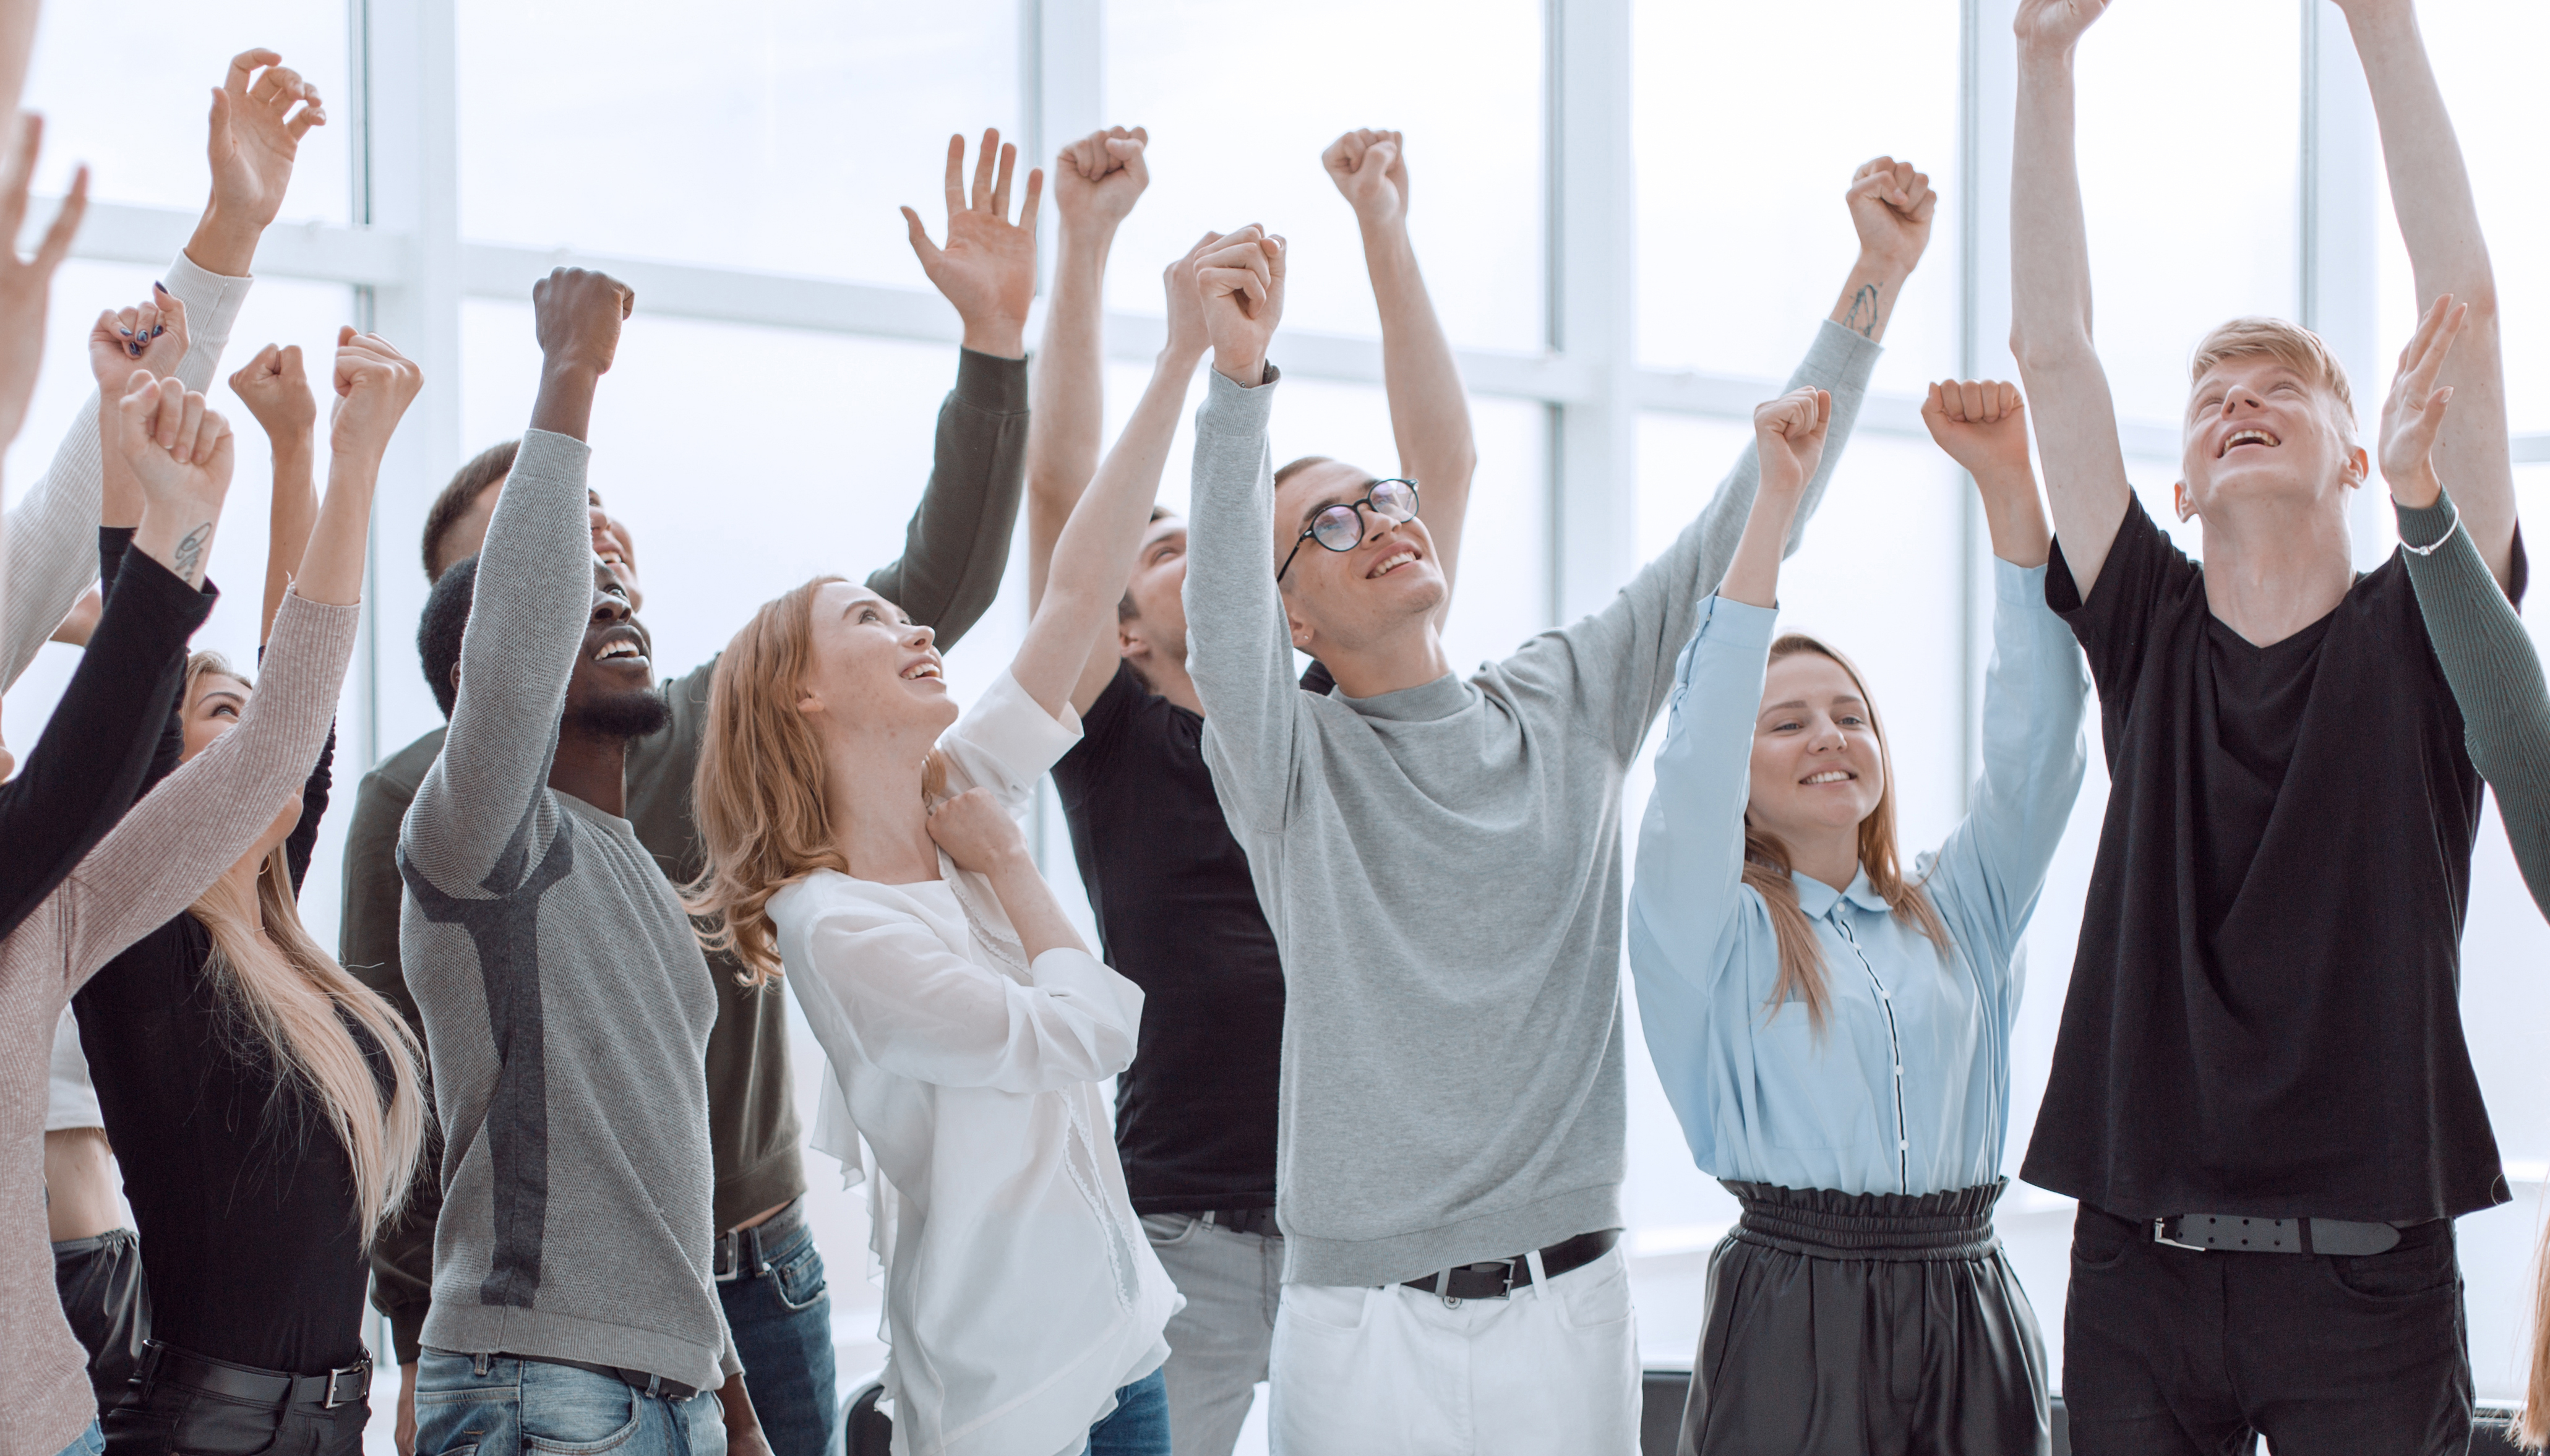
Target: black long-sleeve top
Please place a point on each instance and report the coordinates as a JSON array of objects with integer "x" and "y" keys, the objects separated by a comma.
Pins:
[
  {"x": 88, "y": 766},
  {"x": 243, "y": 1196}
]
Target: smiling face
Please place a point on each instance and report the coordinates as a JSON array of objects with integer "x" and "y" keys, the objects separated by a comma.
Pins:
[
  {"x": 2268, "y": 429},
  {"x": 1819, "y": 763},
  {"x": 1389, "y": 581},
  {"x": 612, "y": 691},
  {"x": 872, "y": 673}
]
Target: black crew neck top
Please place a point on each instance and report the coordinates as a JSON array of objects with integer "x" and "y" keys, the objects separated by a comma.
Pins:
[
  {"x": 1178, "y": 915},
  {"x": 241, "y": 1193},
  {"x": 2263, "y": 1015}
]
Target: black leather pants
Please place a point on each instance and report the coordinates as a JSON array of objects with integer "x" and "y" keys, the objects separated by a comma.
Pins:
[
  {"x": 107, "y": 1303},
  {"x": 1872, "y": 1325},
  {"x": 167, "y": 1416}
]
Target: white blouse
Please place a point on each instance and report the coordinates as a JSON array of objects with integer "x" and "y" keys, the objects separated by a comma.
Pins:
[{"x": 1019, "y": 1290}]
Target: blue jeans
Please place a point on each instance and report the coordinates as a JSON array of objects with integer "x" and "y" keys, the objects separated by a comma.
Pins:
[
  {"x": 91, "y": 1443},
  {"x": 1139, "y": 1424},
  {"x": 497, "y": 1406},
  {"x": 781, "y": 1318}
]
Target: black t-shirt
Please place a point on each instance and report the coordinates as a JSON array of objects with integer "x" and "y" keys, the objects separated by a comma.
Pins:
[
  {"x": 2263, "y": 1016},
  {"x": 243, "y": 1195},
  {"x": 1178, "y": 917}
]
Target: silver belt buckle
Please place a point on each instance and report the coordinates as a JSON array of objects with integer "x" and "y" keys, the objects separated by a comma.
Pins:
[{"x": 2160, "y": 1234}]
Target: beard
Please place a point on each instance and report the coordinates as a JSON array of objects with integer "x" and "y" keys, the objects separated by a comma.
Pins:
[{"x": 632, "y": 712}]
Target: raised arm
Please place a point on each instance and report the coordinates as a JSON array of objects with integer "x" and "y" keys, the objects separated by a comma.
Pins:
[
  {"x": 276, "y": 392},
  {"x": 2431, "y": 195},
  {"x": 1067, "y": 654},
  {"x": 957, "y": 544},
  {"x": 2487, "y": 657},
  {"x": 259, "y": 117},
  {"x": 1789, "y": 442},
  {"x": 528, "y": 606},
  {"x": 1095, "y": 182},
  {"x": 1982, "y": 425},
  {"x": 2049, "y": 294},
  {"x": 1429, "y": 411},
  {"x": 1240, "y": 648}
]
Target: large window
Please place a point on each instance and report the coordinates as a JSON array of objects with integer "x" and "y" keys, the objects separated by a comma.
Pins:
[{"x": 1629, "y": 214}]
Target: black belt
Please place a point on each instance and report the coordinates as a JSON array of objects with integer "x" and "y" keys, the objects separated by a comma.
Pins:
[
  {"x": 347, "y": 1384},
  {"x": 1244, "y": 1220},
  {"x": 1497, "y": 1278},
  {"x": 736, "y": 1253},
  {"x": 2236, "y": 1234},
  {"x": 642, "y": 1382}
]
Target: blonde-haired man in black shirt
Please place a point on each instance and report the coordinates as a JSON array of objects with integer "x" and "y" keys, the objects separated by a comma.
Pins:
[{"x": 2261, "y": 1095}]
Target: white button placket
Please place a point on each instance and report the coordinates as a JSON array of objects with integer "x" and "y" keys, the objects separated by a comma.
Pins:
[{"x": 1894, "y": 1045}]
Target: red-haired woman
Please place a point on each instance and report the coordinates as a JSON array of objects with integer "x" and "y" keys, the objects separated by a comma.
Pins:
[
  {"x": 863, "y": 835},
  {"x": 1833, "y": 1029}
]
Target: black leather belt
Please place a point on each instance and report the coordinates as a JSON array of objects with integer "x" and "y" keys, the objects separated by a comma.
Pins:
[
  {"x": 736, "y": 1253},
  {"x": 1244, "y": 1220},
  {"x": 641, "y": 1381},
  {"x": 2234, "y": 1233},
  {"x": 1497, "y": 1278},
  {"x": 347, "y": 1384}
]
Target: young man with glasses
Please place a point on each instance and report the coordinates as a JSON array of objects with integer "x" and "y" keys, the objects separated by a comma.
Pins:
[
  {"x": 2261, "y": 1094},
  {"x": 1440, "y": 860},
  {"x": 1196, "y": 1113}
]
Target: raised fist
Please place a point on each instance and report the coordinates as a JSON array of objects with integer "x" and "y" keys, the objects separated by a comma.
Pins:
[
  {"x": 179, "y": 450},
  {"x": 374, "y": 385},
  {"x": 277, "y": 393},
  {"x": 1188, "y": 338},
  {"x": 2055, "y": 25},
  {"x": 1891, "y": 206},
  {"x": 147, "y": 335},
  {"x": 1098, "y": 178},
  {"x": 577, "y": 313},
  {"x": 1371, "y": 168},
  {"x": 1789, "y": 437},
  {"x": 1242, "y": 282},
  {"x": 1982, "y": 426}
]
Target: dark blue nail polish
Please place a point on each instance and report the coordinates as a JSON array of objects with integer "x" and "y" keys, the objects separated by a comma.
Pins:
[{"x": 158, "y": 287}]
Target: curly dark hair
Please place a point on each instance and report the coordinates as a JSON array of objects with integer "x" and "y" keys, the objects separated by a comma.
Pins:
[{"x": 440, "y": 628}]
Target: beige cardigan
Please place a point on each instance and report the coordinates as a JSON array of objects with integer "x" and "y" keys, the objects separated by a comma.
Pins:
[{"x": 166, "y": 852}]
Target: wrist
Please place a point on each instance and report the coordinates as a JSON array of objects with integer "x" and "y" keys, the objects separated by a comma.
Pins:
[
  {"x": 224, "y": 245},
  {"x": 293, "y": 444},
  {"x": 2046, "y": 56},
  {"x": 1002, "y": 337},
  {"x": 2418, "y": 489},
  {"x": 1246, "y": 370}
]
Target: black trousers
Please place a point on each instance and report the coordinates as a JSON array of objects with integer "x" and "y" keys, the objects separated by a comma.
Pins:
[
  {"x": 168, "y": 1418},
  {"x": 1866, "y": 1325},
  {"x": 107, "y": 1303},
  {"x": 2176, "y": 1352}
]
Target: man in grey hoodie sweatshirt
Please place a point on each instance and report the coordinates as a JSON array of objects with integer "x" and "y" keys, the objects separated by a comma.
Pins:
[{"x": 1440, "y": 858}]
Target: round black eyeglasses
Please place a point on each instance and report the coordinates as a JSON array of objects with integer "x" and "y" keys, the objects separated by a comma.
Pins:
[{"x": 1339, "y": 528}]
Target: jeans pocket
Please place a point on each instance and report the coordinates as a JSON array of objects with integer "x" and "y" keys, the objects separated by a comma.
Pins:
[
  {"x": 2401, "y": 1275},
  {"x": 570, "y": 1411},
  {"x": 1596, "y": 1296},
  {"x": 1330, "y": 1308},
  {"x": 800, "y": 1280}
]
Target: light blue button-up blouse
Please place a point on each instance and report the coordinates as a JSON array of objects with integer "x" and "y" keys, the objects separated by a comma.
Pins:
[{"x": 1907, "y": 1090}]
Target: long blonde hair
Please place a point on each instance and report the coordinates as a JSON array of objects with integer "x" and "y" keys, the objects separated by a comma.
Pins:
[
  {"x": 2532, "y": 1425},
  {"x": 1767, "y": 868},
  {"x": 300, "y": 1007},
  {"x": 759, "y": 795}
]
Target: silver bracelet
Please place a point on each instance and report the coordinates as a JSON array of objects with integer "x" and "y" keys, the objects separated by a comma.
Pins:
[{"x": 2438, "y": 545}]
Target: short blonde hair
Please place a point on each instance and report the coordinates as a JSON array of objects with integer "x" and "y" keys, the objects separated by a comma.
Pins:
[{"x": 2289, "y": 344}]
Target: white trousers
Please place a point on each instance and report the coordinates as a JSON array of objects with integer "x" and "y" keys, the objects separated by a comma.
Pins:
[{"x": 1395, "y": 1372}]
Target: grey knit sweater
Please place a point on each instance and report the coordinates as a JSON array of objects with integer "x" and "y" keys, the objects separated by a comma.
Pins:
[
  {"x": 1441, "y": 868},
  {"x": 567, "y": 1005},
  {"x": 2495, "y": 677}
]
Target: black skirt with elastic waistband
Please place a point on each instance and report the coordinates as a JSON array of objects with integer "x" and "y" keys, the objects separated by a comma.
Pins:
[{"x": 1844, "y": 1322}]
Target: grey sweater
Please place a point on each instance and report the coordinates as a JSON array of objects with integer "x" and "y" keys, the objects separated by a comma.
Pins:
[
  {"x": 567, "y": 1005},
  {"x": 2495, "y": 677},
  {"x": 1442, "y": 867}
]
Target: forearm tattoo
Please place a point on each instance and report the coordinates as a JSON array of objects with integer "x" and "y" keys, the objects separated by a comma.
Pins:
[
  {"x": 190, "y": 554},
  {"x": 1862, "y": 315}
]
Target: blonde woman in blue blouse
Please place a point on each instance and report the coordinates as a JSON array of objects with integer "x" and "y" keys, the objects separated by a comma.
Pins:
[{"x": 1834, "y": 1030}]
